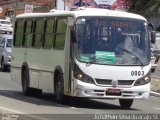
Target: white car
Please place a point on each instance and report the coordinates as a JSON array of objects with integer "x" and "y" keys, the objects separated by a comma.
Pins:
[
  {"x": 5, "y": 23},
  {"x": 7, "y": 30},
  {"x": 5, "y": 51}
]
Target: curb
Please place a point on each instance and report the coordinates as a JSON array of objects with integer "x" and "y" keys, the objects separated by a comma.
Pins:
[
  {"x": 155, "y": 77},
  {"x": 156, "y": 94},
  {"x": 155, "y": 86}
]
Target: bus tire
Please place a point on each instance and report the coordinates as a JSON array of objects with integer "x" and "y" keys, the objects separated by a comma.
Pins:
[
  {"x": 153, "y": 70},
  {"x": 126, "y": 103},
  {"x": 25, "y": 85},
  {"x": 25, "y": 82},
  {"x": 35, "y": 92},
  {"x": 59, "y": 90}
]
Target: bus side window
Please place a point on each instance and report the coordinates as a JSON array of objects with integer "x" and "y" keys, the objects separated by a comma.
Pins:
[
  {"x": 61, "y": 33},
  {"x": 28, "y": 34},
  {"x": 49, "y": 35},
  {"x": 18, "y": 33},
  {"x": 38, "y": 33}
]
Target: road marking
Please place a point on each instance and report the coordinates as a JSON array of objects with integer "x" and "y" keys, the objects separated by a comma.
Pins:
[
  {"x": 156, "y": 108},
  {"x": 154, "y": 93},
  {"x": 155, "y": 78},
  {"x": 17, "y": 112},
  {"x": 73, "y": 108},
  {"x": 14, "y": 111},
  {"x": 36, "y": 117}
]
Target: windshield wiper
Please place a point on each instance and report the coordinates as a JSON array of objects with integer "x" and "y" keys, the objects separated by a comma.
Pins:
[
  {"x": 93, "y": 59},
  {"x": 133, "y": 55}
]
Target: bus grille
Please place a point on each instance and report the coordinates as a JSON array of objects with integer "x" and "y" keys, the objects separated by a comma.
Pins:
[{"x": 108, "y": 82}]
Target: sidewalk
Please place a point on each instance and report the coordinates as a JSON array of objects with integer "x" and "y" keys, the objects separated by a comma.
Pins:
[{"x": 155, "y": 87}]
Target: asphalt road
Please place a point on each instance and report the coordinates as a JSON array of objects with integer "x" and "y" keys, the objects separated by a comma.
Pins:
[{"x": 13, "y": 102}]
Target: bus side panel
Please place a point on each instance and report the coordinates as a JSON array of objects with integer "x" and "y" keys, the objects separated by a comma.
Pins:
[
  {"x": 16, "y": 75},
  {"x": 46, "y": 81},
  {"x": 42, "y": 64},
  {"x": 33, "y": 78},
  {"x": 17, "y": 60}
]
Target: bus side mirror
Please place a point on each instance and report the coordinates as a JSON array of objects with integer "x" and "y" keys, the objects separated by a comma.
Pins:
[
  {"x": 73, "y": 36},
  {"x": 153, "y": 37}
]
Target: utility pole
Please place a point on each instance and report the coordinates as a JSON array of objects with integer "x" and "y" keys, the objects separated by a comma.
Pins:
[
  {"x": 54, "y": 4},
  {"x": 15, "y": 13},
  {"x": 80, "y": 3}
]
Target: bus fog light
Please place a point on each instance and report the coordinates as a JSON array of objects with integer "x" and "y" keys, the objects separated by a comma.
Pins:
[
  {"x": 79, "y": 90},
  {"x": 85, "y": 91}
]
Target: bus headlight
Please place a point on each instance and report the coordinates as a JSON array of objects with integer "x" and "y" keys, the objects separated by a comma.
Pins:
[
  {"x": 142, "y": 81},
  {"x": 78, "y": 74}
]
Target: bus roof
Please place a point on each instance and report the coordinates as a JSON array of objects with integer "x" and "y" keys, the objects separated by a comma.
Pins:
[{"x": 84, "y": 12}]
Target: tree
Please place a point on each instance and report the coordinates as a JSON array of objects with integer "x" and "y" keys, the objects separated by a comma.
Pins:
[{"x": 145, "y": 8}]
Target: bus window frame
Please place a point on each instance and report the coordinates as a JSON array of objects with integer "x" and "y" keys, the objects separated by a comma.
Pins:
[
  {"x": 60, "y": 33},
  {"x": 43, "y": 32},
  {"x": 35, "y": 33},
  {"x": 17, "y": 33},
  {"x": 24, "y": 44},
  {"x": 46, "y": 32}
]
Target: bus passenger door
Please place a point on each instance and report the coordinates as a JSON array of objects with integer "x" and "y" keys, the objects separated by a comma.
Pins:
[{"x": 68, "y": 58}]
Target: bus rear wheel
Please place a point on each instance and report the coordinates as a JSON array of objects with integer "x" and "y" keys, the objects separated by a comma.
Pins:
[
  {"x": 25, "y": 82},
  {"x": 126, "y": 103},
  {"x": 25, "y": 85},
  {"x": 59, "y": 91}
]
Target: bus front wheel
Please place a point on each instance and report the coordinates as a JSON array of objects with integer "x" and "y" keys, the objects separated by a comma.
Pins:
[
  {"x": 59, "y": 93},
  {"x": 126, "y": 103}
]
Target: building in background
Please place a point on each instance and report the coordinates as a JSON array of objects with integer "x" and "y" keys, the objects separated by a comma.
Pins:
[
  {"x": 11, "y": 8},
  {"x": 107, "y": 4},
  {"x": 155, "y": 20}
]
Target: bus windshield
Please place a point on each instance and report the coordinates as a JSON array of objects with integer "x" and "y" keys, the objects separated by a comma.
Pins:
[{"x": 112, "y": 40}]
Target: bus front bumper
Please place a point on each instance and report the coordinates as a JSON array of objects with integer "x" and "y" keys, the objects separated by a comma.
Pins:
[{"x": 93, "y": 91}]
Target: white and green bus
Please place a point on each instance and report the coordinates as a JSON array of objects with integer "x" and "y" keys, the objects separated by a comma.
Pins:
[{"x": 93, "y": 53}]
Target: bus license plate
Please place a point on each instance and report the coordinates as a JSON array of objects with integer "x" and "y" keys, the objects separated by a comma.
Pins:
[{"x": 113, "y": 92}]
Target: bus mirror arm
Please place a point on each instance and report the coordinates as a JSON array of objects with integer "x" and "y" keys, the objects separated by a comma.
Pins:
[
  {"x": 153, "y": 37},
  {"x": 73, "y": 36}
]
